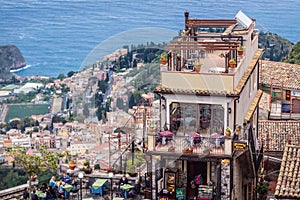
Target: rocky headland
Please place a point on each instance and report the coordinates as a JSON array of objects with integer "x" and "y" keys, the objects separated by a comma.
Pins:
[{"x": 11, "y": 58}]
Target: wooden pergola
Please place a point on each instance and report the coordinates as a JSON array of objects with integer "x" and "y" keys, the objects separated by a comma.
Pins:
[
  {"x": 209, "y": 23},
  {"x": 205, "y": 45}
]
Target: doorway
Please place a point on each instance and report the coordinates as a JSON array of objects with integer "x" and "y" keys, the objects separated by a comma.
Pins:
[{"x": 194, "y": 169}]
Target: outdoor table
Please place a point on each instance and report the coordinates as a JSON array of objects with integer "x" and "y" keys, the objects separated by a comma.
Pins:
[
  {"x": 118, "y": 198},
  {"x": 97, "y": 187},
  {"x": 40, "y": 194},
  {"x": 126, "y": 188},
  {"x": 87, "y": 199},
  {"x": 67, "y": 188}
]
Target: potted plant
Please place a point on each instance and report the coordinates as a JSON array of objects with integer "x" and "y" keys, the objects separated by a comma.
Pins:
[
  {"x": 87, "y": 168},
  {"x": 232, "y": 63},
  {"x": 171, "y": 149},
  {"x": 163, "y": 58},
  {"x": 151, "y": 128},
  {"x": 228, "y": 132},
  {"x": 97, "y": 167},
  {"x": 241, "y": 50},
  {"x": 33, "y": 177},
  {"x": 188, "y": 150},
  {"x": 262, "y": 189},
  {"x": 197, "y": 66},
  {"x": 72, "y": 164}
]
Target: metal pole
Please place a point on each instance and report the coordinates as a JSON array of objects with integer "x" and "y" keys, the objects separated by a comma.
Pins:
[
  {"x": 81, "y": 189},
  {"x": 109, "y": 149},
  {"x": 111, "y": 193},
  {"x": 144, "y": 127}
]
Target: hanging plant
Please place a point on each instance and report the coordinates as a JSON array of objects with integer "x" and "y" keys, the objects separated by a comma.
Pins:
[{"x": 262, "y": 187}]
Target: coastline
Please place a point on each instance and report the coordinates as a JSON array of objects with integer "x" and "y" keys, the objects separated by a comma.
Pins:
[{"x": 16, "y": 69}]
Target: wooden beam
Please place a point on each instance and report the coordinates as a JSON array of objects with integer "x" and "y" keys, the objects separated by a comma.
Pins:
[{"x": 210, "y": 22}]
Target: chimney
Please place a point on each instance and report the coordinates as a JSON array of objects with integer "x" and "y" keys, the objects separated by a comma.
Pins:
[{"x": 186, "y": 17}]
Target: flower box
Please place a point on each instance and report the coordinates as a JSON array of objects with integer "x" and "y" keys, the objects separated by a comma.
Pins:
[{"x": 187, "y": 151}]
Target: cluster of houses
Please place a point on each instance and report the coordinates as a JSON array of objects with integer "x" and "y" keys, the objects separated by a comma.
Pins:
[{"x": 220, "y": 113}]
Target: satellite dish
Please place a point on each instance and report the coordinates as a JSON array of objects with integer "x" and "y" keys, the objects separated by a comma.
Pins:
[{"x": 243, "y": 20}]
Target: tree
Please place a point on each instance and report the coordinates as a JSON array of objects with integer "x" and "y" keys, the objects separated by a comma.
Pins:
[
  {"x": 70, "y": 73},
  {"x": 15, "y": 124},
  {"x": 61, "y": 76},
  {"x": 86, "y": 111},
  {"x": 97, "y": 166},
  {"x": 120, "y": 103},
  {"x": 34, "y": 164},
  {"x": 131, "y": 100}
]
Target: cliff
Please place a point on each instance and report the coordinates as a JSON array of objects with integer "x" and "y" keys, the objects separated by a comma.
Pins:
[
  {"x": 11, "y": 58},
  {"x": 276, "y": 48}
]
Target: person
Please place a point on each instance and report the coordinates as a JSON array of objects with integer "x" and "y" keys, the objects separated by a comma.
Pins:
[
  {"x": 61, "y": 190},
  {"x": 236, "y": 133},
  {"x": 26, "y": 193},
  {"x": 198, "y": 180},
  {"x": 52, "y": 182},
  {"x": 135, "y": 190},
  {"x": 34, "y": 196},
  {"x": 43, "y": 187},
  {"x": 147, "y": 181},
  {"x": 123, "y": 180},
  {"x": 50, "y": 194},
  {"x": 67, "y": 179}
]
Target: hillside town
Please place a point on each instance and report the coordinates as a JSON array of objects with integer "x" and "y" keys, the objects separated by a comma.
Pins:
[{"x": 220, "y": 124}]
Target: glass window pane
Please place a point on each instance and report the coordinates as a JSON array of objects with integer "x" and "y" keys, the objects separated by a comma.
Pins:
[{"x": 190, "y": 118}]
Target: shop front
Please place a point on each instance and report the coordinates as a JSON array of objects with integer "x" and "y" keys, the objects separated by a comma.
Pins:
[{"x": 180, "y": 179}]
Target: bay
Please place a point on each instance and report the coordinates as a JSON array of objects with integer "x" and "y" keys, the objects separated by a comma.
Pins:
[{"x": 62, "y": 35}]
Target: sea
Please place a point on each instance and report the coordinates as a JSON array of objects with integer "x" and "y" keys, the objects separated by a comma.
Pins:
[{"x": 58, "y": 36}]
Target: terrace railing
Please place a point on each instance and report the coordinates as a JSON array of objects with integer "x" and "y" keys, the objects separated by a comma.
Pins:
[{"x": 214, "y": 145}]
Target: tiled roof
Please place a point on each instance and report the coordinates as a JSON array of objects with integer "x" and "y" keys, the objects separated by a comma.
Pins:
[
  {"x": 288, "y": 183},
  {"x": 280, "y": 73},
  {"x": 161, "y": 89},
  {"x": 238, "y": 89},
  {"x": 276, "y": 134}
]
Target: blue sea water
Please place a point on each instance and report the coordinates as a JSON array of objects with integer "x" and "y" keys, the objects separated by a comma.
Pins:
[{"x": 56, "y": 36}]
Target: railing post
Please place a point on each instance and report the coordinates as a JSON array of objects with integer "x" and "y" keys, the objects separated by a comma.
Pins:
[
  {"x": 150, "y": 142},
  {"x": 228, "y": 146}
]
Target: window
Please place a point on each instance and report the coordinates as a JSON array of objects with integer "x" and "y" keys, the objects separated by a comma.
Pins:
[
  {"x": 250, "y": 86},
  {"x": 255, "y": 78},
  {"x": 202, "y": 118}
]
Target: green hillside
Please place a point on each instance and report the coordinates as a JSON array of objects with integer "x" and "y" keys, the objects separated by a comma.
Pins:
[
  {"x": 294, "y": 55},
  {"x": 276, "y": 48}
]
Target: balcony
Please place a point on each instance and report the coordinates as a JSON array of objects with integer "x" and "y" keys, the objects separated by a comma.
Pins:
[
  {"x": 214, "y": 145},
  {"x": 213, "y": 80},
  {"x": 82, "y": 191},
  {"x": 213, "y": 52}
]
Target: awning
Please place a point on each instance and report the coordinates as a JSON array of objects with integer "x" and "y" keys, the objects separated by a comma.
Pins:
[{"x": 166, "y": 133}]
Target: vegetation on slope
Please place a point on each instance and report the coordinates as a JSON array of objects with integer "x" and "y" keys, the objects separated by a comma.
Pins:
[
  {"x": 276, "y": 48},
  {"x": 294, "y": 55}
]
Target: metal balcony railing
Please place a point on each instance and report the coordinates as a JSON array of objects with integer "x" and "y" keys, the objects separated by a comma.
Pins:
[{"x": 214, "y": 145}]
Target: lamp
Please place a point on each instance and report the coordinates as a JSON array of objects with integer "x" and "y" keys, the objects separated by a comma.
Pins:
[
  {"x": 110, "y": 175},
  {"x": 229, "y": 110},
  {"x": 80, "y": 176}
]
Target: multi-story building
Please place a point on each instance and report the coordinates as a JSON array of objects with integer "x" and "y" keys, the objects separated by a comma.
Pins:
[
  {"x": 201, "y": 98},
  {"x": 77, "y": 147}
]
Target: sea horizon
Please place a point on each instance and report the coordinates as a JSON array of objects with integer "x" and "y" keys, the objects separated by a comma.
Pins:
[{"x": 60, "y": 36}]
